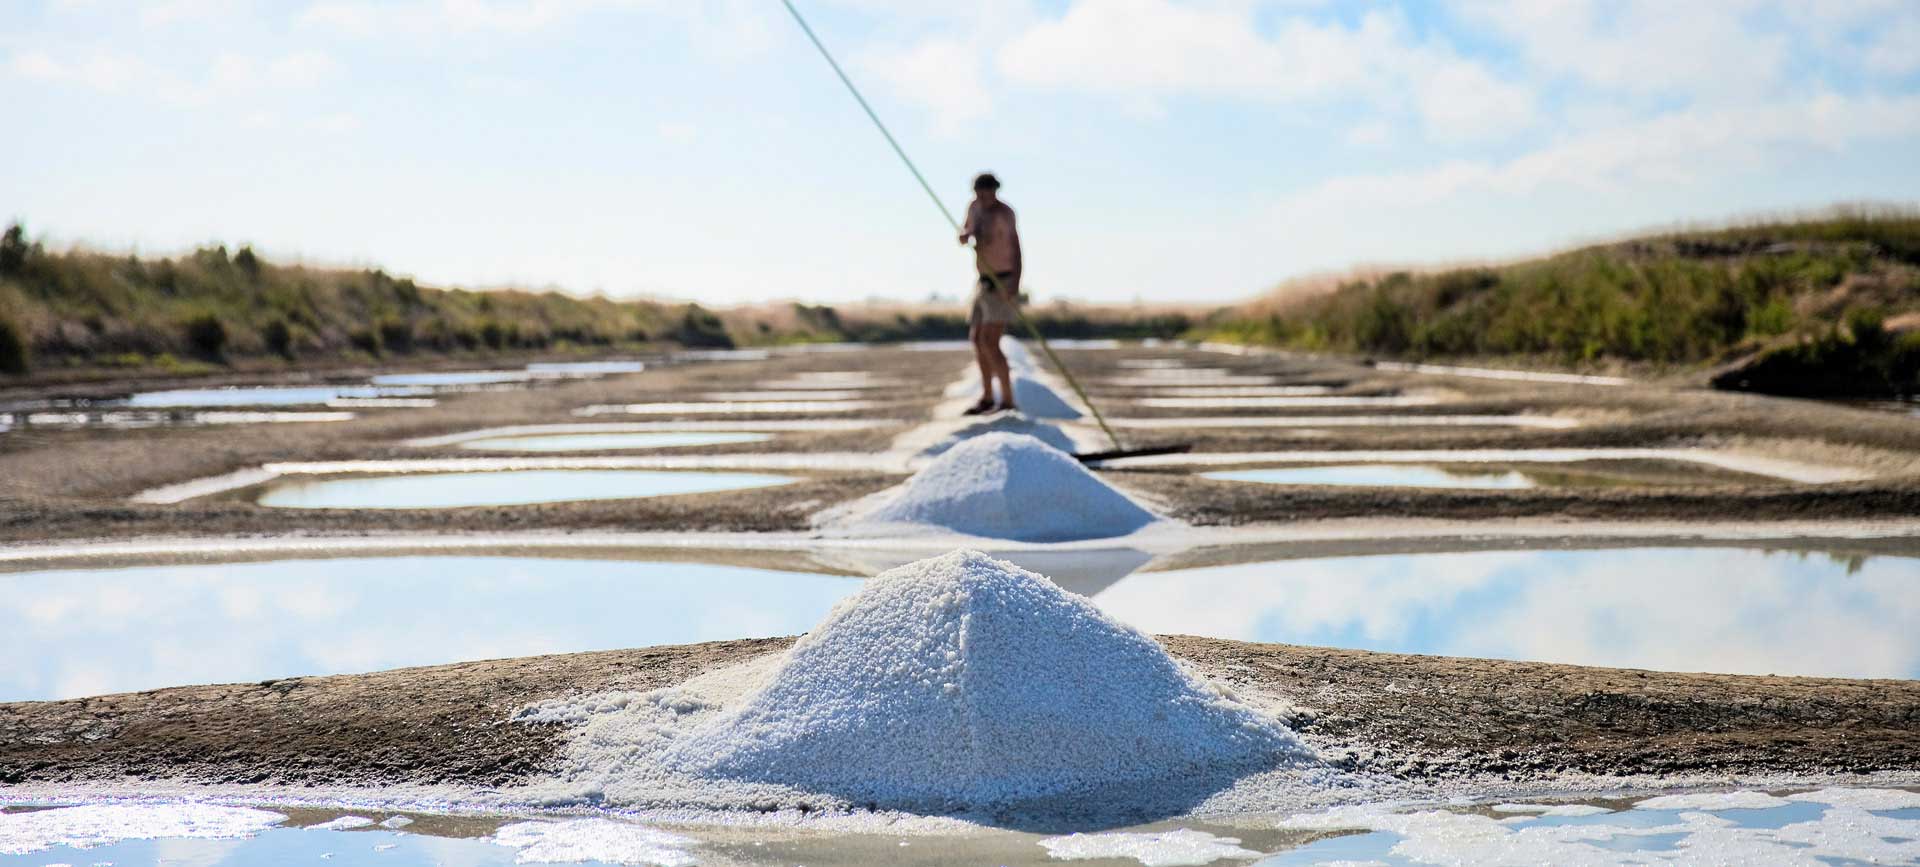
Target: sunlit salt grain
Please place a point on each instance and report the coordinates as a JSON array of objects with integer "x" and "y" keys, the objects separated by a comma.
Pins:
[
  {"x": 602, "y": 841},
  {"x": 1713, "y": 801},
  {"x": 1696, "y": 836},
  {"x": 100, "y": 824},
  {"x": 1552, "y": 809},
  {"x": 1863, "y": 799},
  {"x": 1180, "y": 848}
]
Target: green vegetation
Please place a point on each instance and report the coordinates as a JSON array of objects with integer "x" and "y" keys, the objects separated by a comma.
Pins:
[
  {"x": 85, "y": 309},
  {"x": 1791, "y": 295},
  {"x": 209, "y": 309},
  {"x": 1860, "y": 358}
]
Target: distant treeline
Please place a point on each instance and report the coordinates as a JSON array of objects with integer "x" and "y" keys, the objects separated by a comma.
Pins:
[
  {"x": 881, "y": 324},
  {"x": 1822, "y": 305},
  {"x": 213, "y": 307}
]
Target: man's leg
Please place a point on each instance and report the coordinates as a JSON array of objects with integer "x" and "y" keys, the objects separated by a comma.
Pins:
[
  {"x": 977, "y": 334},
  {"x": 1001, "y": 370}
]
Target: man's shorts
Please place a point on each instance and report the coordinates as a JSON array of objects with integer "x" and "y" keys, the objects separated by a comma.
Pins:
[{"x": 991, "y": 306}]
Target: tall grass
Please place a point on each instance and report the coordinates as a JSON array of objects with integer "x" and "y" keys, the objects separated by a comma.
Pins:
[{"x": 1672, "y": 299}]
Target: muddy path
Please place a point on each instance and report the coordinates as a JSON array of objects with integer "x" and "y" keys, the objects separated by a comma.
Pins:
[{"x": 1419, "y": 718}]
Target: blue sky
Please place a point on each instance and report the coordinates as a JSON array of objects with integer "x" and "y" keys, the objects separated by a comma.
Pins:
[{"x": 1156, "y": 150}]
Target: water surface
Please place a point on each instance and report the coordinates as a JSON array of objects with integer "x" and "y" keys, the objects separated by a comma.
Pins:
[
  {"x": 77, "y": 632},
  {"x": 1395, "y": 475},
  {"x": 594, "y": 442},
  {"x": 292, "y": 395},
  {"x": 1820, "y": 827},
  {"x": 1581, "y": 475},
  {"x": 1725, "y": 610},
  {"x": 500, "y": 488}
]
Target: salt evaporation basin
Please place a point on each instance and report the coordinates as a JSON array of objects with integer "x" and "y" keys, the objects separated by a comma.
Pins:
[{"x": 952, "y": 685}]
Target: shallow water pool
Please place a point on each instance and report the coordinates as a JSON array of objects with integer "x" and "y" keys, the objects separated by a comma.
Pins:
[
  {"x": 302, "y": 395},
  {"x": 501, "y": 488},
  {"x": 74, "y": 632},
  {"x": 1829, "y": 826},
  {"x": 1398, "y": 476},
  {"x": 1724, "y": 610},
  {"x": 1733, "y": 610},
  {"x": 1466, "y": 476},
  {"x": 595, "y": 442}
]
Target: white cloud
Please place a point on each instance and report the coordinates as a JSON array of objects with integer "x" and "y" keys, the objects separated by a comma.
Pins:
[
  {"x": 1343, "y": 216},
  {"x": 299, "y": 69},
  {"x": 1895, "y": 50},
  {"x": 1373, "y": 133},
  {"x": 167, "y": 12},
  {"x": 334, "y": 123},
  {"x": 1463, "y": 102},
  {"x": 678, "y": 131},
  {"x": 942, "y": 75},
  {"x": 97, "y": 70},
  {"x": 722, "y": 28},
  {"x": 1643, "y": 46},
  {"x": 1143, "y": 50},
  {"x": 116, "y": 72},
  {"x": 366, "y": 18},
  {"x": 355, "y": 18}
]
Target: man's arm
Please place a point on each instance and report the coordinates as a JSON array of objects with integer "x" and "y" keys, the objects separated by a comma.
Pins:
[{"x": 1013, "y": 235}]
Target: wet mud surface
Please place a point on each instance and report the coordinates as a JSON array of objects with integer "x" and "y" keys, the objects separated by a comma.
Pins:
[
  {"x": 1422, "y": 718},
  {"x": 1412, "y": 716},
  {"x": 75, "y": 484}
]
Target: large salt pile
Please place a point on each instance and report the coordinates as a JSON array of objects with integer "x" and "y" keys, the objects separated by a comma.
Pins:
[
  {"x": 955, "y": 684},
  {"x": 1002, "y": 486}
]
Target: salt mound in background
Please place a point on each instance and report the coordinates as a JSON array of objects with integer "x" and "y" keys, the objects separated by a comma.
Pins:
[
  {"x": 1019, "y": 359},
  {"x": 1013, "y": 422},
  {"x": 1035, "y": 399},
  {"x": 1004, "y": 486},
  {"x": 963, "y": 683}
]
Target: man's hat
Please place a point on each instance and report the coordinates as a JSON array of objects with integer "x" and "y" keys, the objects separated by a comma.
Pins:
[{"x": 986, "y": 181}]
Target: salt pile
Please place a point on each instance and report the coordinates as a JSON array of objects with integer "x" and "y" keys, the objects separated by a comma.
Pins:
[
  {"x": 1037, "y": 400},
  {"x": 1012, "y": 422},
  {"x": 1002, "y": 486},
  {"x": 952, "y": 685}
]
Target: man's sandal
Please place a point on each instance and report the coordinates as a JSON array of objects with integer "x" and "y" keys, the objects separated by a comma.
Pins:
[{"x": 982, "y": 408}]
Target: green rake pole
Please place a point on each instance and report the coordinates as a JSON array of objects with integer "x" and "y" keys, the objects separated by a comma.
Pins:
[{"x": 945, "y": 215}]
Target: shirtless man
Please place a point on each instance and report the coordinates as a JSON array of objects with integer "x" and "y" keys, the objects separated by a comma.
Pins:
[{"x": 996, "y": 247}]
